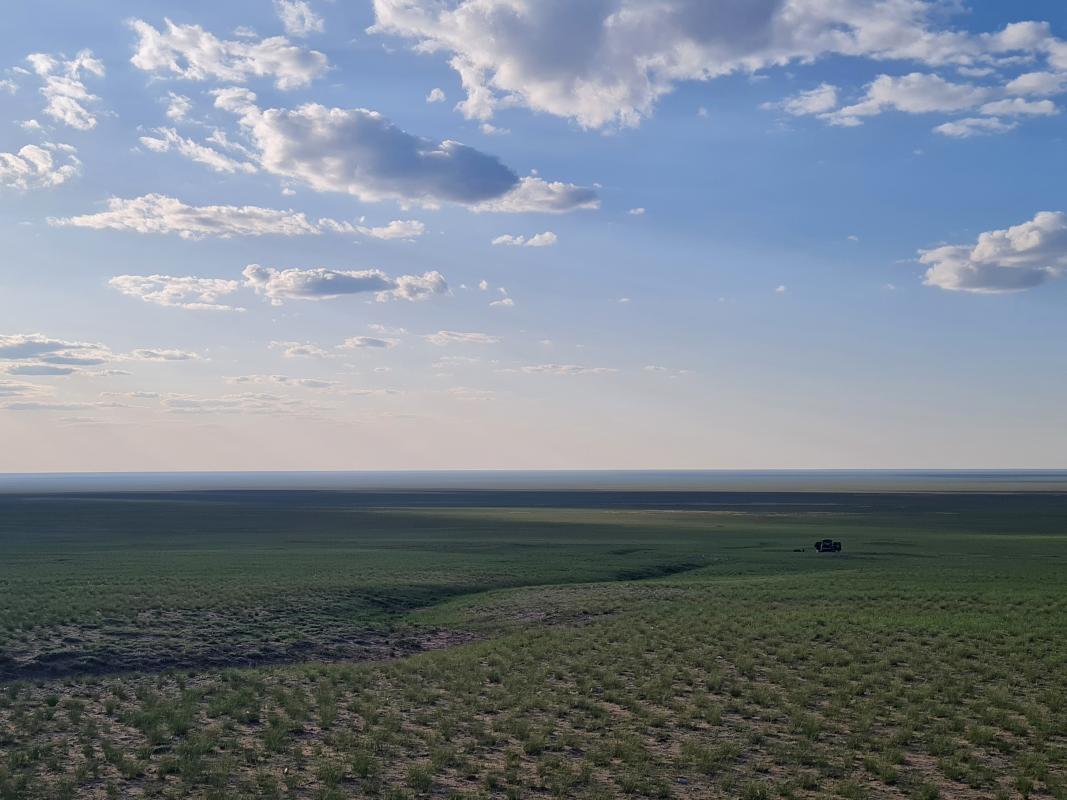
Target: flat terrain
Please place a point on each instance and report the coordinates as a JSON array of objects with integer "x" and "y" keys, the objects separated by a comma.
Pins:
[{"x": 270, "y": 644}]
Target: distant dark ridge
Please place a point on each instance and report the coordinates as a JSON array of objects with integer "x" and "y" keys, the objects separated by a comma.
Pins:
[{"x": 756, "y": 502}]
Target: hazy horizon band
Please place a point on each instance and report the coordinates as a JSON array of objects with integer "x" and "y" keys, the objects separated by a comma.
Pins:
[{"x": 971, "y": 480}]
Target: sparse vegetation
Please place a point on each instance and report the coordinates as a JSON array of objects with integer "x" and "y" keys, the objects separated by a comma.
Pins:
[{"x": 315, "y": 647}]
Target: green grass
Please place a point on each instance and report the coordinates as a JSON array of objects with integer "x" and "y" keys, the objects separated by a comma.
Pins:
[{"x": 670, "y": 646}]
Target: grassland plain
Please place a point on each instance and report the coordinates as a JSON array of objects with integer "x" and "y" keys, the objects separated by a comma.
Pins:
[{"x": 533, "y": 644}]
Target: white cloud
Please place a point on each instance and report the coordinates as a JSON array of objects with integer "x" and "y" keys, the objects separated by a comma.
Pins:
[
  {"x": 371, "y": 342},
  {"x": 436, "y": 95},
  {"x": 915, "y": 93},
  {"x": 40, "y": 348},
  {"x": 37, "y": 354},
  {"x": 1039, "y": 83},
  {"x": 39, "y": 369},
  {"x": 636, "y": 212},
  {"x": 563, "y": 369},
  {"x": 781, "y": 289},
  {"x": 167, "y": 139},
  {"x": 327, "y": 284},
  {"x": 39, "y": 167},
  {"x": 1016, "y": 106},
  {"x": 300, "y": 350},
  {"x": 416, "y": 287},
  {"x": 190, "y": 52},
  {"x": 359, "y": 152},
  {"x": 157, "y": 213},
  {"x": 298, "y": 18},
  {"x": 154, "y": 354},
  {"x": 442, "y": 338},
  {"x": 178, "y": 106},
  {"x": 67, "y": 98},
  {"x": 532, "y": 194},
  {"x": 608, "y": 62},
  {"x": 219, "y": 137},
  {"x": 819, "y": 100},
  {"x": 191, "y": 293},
  {"x": 974, "y": 126},
  {"x": 504, "y": 302},
  {"x": 546, "y": 239},
  {"x": 386, "y": 330},
  {"x": 284, "y": 380},
  {"x": 397, "y": 229},
  {"x": 1008, "y": 260}
]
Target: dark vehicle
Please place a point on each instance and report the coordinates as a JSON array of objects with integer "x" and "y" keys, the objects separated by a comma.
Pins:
[{"x": 828, "y": 546}]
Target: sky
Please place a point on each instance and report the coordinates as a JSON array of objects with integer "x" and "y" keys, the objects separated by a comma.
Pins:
[{"x": 457, "y": 234}]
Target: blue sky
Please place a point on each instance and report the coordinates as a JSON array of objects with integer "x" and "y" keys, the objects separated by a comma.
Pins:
[{"x": 260, "y": 235}]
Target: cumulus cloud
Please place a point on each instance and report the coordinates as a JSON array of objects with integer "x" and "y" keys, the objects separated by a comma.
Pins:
[
  {"x": 38, "y": 347},
  {"x": 195, "y": 294},
  {"x": 149, "y": 354},
  {"x": 1009, "y": 260},
  {"x": 914, "y": 93},
  {"x": 37, "y": 354},
  {"x": 298, "y": 18},
  {"x": 360, "y": 152},
  {"x": 974, "y": 126},
  {"x": 299, "y": 350},
  {"x": 1016, "y": 106},
  {"x": 436, "y": 95},
  {"x": 1037, "y": 83},
  {"x": 819, "y": 100},
  {"x": 546, "y": 239},
  {"x": 415, "y": 287},
  {"x": 67, "y": 100},
  {"x": 607, "y": 62},
  {"x": 191, "y": 53},
  {"x": 504, "y": 301},
  {"x": 167, "y": 139},
  {"x": 371, "y": 342},
  {"x": 443, "y": 338},
  {"x": 925, "y": 93},
  {"x": 285, "y": 380},
  {"x": 532, "y": 194},
  {"x": 157, "y": 213},
  {"x": 327, "y": 284},
  {"x": 39, "y": 167},
  {"x": 397, "y": 229}
]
